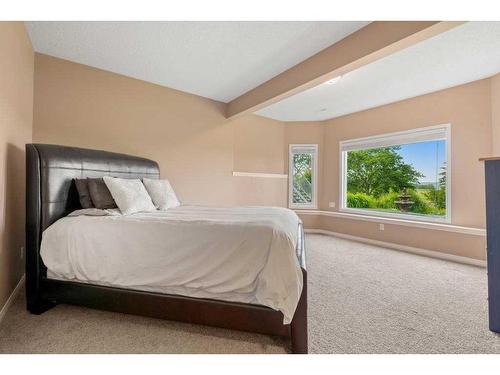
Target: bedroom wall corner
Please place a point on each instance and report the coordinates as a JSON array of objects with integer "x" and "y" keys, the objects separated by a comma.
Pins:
[
  {"x": 16, "y": 124},
  {"x": 258, "y": 148}
]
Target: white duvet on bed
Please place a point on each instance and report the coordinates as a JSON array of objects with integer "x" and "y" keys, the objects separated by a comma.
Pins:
[{"x": 241, "y": 254}]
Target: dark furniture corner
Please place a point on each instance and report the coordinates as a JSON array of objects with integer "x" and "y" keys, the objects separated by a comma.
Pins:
[
  {"x": 492, "y": 174},
  {"x": 51, "y": 194}
]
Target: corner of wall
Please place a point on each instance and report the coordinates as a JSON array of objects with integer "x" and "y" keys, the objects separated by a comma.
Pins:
[{"x": 17, "y": 72}]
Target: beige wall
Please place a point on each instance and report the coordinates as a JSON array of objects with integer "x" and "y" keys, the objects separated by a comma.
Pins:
[
  {"x": 16, "y": 115},
  {"x": 465, "y": 245},
  {"x": 196, "y": 146},
  {"x": 495, "y": 115},
  {"x": 258, "y": 145},
  {"x": 258, "y": 148}
]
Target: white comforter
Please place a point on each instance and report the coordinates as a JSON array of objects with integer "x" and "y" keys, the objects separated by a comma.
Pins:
[{"x": 243, "y": 254}]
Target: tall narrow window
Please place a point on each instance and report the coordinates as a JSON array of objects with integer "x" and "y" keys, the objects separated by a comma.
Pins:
[
  {"x": 404, "y": 174},
  {"x": 303, "y": 166}
]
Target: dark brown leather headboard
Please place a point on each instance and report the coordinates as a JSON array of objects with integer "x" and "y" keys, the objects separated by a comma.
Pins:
[{"x": 51, "y": 191}]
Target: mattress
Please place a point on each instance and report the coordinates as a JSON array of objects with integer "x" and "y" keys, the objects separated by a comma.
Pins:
[{"x": 239, "y": 254}]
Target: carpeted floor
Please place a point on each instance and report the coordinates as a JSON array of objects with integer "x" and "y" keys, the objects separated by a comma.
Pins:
[{"x": 362, "y": 299}]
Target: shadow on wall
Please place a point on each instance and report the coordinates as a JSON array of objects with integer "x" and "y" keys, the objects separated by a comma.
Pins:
[{"x": 13, "y": 233}]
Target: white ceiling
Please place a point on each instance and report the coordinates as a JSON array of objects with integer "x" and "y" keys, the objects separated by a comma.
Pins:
[
  {"x": 218, "y": 60},
  {"x": 463, "y": 54}
]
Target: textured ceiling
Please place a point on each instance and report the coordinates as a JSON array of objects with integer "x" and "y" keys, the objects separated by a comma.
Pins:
[
  {"x": 463, "y": 54},
  {"x": 218, "y": 60}
]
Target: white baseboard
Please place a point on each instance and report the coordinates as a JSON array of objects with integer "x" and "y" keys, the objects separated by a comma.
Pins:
[
  {"x": 408, "y": 249},
  {"x": 11, "y": 298}
]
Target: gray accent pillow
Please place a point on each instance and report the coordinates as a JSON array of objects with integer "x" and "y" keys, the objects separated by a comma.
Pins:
[
  {"x": 83, "y": 192},
  {"x": 100, "y": 195}
]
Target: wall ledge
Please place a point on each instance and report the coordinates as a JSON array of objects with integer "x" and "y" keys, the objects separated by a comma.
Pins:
[
  {"x": 403, "y": 222},
  {"x": 408, "y": 249},
  {"x": 262, "y": 175}
]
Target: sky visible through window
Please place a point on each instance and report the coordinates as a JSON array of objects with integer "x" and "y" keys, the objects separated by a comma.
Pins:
[{"x": 426, "y": 157}]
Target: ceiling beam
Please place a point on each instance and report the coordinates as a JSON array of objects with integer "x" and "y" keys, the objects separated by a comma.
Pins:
[{"x": 372, "y": 42}]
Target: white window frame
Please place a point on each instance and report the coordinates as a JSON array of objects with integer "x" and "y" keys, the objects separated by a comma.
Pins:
[
  {"x": 295, "y": 149},
  {"x": 442, "y": 131}
]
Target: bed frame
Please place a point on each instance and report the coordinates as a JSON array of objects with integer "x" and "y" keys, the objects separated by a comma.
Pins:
[{"x": 51, "y": 194}]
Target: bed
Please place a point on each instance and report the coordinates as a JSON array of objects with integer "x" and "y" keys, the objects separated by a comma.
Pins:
[{"x": 254, "y": 293}]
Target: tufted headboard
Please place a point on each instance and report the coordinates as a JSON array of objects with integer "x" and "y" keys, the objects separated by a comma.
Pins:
[{"x": 51, "y": 192}]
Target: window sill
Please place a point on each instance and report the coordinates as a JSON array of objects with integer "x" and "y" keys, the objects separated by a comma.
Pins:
[
  {"x": 396, "y": 216},
  {"x": 396, "y": 221}
]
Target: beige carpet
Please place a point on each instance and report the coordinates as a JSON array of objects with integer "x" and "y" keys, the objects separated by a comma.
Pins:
[{"x": 363, "y": 299}]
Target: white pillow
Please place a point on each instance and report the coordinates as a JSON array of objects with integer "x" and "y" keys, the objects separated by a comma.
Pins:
[
  {"x": 129, "y": 194},
  {"x": 161, "y": 193}
]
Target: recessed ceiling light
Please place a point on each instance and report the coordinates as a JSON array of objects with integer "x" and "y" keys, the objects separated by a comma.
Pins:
[{"x": 333, "y": 80}]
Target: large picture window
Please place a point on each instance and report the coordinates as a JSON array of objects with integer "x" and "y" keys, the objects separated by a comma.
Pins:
[
  {"x": 404, "y": 174},
  {"x": 302, "y": 176}
]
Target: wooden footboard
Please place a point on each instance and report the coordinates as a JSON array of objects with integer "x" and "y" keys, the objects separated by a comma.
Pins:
[
  {"x": 215, "y": 313},
  {"x": 298, "y": 328}
]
